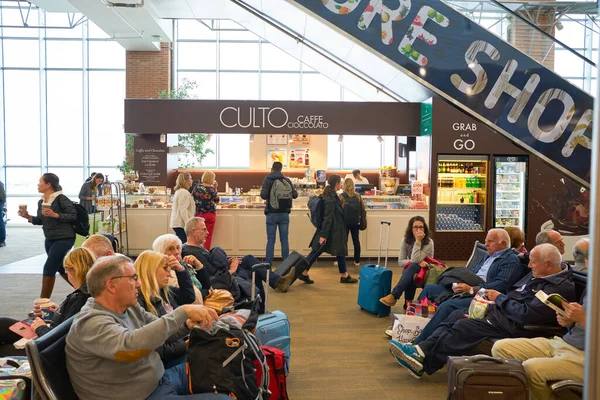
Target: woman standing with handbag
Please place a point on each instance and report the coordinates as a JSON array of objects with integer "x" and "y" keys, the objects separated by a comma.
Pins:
[
  {"x": 331, "y": 237},
  {"x": 183, "y": 205},
  {"x": 353, "y": 206},
  {"x": 56, "y": 213},
  {"x": 417, "y": 245},
  {"x": 206, "y": 198}
]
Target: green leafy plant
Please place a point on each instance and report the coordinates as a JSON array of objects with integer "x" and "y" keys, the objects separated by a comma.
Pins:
[
  {"x": 127, "y": 164},
  {"x": 195, "y": 142}
]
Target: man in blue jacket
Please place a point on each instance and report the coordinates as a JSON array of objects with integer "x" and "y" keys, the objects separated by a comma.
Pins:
[
  {"x": 506, "y": 318},
  {"x": 499, "y": 270},
  {"x": 279, "y": 216}
]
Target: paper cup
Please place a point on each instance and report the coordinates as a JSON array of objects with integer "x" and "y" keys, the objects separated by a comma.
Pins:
[{"x": 23, "y": 208}]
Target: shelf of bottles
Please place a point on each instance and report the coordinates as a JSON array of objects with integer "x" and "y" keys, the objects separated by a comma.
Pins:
[
  {"x": 510, "y": 189},
  {"x": 461, "y": 194}
]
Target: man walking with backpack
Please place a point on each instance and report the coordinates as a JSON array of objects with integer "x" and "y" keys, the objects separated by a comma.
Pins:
[{"x": 279, "y": 192}]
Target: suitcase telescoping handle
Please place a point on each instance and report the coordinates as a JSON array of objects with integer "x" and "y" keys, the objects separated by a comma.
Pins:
[
  {"x": 387, "y": 246},
  {"x": 257, "y": 267}
]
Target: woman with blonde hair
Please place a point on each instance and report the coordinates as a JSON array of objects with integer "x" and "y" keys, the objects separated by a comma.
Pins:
[
  {"x": 157, "y": 297},
  {"x": 206, "y": 198},
  {"x": 77, "y": 263},
  {"x": 183, "y": 205},
  {"x": 353, "y": 206}
]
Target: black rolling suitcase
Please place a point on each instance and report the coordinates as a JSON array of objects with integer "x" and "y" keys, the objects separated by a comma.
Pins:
[
  {"x": 295, "y": 259},
  {"x": 486, "y": 378}
]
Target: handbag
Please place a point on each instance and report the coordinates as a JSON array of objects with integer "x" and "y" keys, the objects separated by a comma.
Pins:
[
  {"x": 218, "y": 299},
  {"x": 363, "y": 216}
]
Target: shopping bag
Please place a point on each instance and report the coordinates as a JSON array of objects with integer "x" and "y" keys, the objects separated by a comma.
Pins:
[
  {"x": 424, "y": 308},
  {"x": 406, "y": 328},
  {"x": 479, "y": 305}
]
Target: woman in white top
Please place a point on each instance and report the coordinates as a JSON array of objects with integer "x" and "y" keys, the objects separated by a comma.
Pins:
[
  {"x": 357, "y": 177},
  {"x": 184, "y": 206},
  {"x": 414, "y": 248}
]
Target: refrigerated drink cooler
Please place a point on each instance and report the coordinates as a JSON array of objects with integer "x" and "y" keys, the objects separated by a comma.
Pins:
[
  {"x": 510, "y": 182},
  {"x": 461, "y": 193}
]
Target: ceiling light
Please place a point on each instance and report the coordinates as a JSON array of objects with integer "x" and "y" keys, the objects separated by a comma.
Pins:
[
  {"x": 559, "y": 25},
  {"x": 341, "y": 138},
  {"x": 379, "y": 139},
  {"x": 422, "y": 71},
  {"x": 252, "y": 138},
  {"x": 208, "y": 137},
  {"x": 163, "y": 138}
]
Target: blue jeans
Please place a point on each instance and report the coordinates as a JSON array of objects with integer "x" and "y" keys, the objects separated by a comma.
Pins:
[
  {"x": 173, "y": 385},
  {"x": 180, "y": 232},
  {"x": 441, "y": 314},
  {"x": 274, "y": 220},
  {"x": 2, "y": 224},
  {"x": 406, "y": 283},
  {"x": 56, "y": 250},
  {"x": 314, "y": 254}
]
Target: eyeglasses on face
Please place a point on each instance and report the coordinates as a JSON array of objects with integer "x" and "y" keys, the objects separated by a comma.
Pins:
[
  {"x": 205, "y": 229},
  {"x": 133, "y": 277},
  {"x": 419, "y": 227}
]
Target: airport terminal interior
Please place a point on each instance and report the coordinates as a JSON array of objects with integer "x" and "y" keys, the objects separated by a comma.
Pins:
[{"x": 461, "y": 116}]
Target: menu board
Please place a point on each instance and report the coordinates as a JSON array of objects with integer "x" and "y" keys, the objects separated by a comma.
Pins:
[
  {"x": 300, "y": 140},
  {"x": 150, "y": 160},
  {"x": 299, "y": 157},
  {"x": 276, "y": 154},
  {"x": 278, "y": 139}
]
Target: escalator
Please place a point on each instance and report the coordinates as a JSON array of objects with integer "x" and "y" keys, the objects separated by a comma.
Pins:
[{"x": 444, "y": 53}]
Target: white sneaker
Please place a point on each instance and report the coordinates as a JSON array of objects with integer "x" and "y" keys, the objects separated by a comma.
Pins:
[
  {"x": 388, "y": 332},
  {"x": 357, "y": 264},
  {"x": 335, "y": 263}
]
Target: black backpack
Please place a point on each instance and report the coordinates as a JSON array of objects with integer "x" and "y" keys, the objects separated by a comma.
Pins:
[
  {"x": 82, "y": 223},
  {"x": 222, "y": 362},
  {"x": 352, "y": 210}
]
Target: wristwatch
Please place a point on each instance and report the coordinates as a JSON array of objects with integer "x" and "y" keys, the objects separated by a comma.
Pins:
[{"x": 472, "y": 290}]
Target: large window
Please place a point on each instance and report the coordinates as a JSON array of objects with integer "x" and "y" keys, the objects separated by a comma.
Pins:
[{"x": 62, "y": 111}]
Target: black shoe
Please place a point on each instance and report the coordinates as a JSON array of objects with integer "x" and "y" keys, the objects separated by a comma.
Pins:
[
  {"x": 306, "y": 279},
  {"x": 3, "y": 244},
  {"x": 348, "y": 279}
]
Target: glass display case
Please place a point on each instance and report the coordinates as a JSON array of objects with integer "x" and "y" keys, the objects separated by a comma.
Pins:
[
  {"x": 461, "y": 193},
  {"x": 510, "y": 175},
  {"x": 148, "y": 201},
  {"x": 417, "y": 202}
]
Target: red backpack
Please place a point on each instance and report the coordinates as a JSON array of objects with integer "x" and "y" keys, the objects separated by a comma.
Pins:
[{"x": 276, "y": 363}]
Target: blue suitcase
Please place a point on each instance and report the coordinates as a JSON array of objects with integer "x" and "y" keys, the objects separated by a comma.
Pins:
[
  {"x": 376, "y": 281},
  {"x": 273, "y": 328}
]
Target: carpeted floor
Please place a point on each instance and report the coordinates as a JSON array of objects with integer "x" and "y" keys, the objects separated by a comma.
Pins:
[{"x": 338, "y": 351}]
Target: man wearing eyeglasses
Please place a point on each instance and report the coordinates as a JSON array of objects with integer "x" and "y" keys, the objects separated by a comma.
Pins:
[
  {"x": 111, "y": 345},
  {"x": 240, "y": 268}
]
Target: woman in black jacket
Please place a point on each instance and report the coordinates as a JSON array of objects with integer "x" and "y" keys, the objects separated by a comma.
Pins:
[
  {"x": 157, "y": 297},
  {"x": 331, "y": 237},
  {"x": 77, "y": 264},
  {"x": 56, "y": 213}
]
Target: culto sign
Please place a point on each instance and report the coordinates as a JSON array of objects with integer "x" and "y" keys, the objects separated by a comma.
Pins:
[
  {"x": 475, "y": 70},
  {"x": 263, "y": 117}
]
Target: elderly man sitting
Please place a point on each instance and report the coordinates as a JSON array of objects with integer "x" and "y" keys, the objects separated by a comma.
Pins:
[
  {"x": 499, "y": 270},
  {"x": 110, "y": 347},
  {"x": 506, "y": 318}
]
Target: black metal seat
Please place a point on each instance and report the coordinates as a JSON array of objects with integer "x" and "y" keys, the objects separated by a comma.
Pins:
[{"x": 48, "y": 363}]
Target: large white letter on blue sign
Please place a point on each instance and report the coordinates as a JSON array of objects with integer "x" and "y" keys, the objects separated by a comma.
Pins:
[
  {"x": 577, "y": 136},
  {"x": 538, "y": 110},
  {"x": 387, "y": 16},
  {"x": 481, "y": 77},
  {"x": 503, "y": 86}
]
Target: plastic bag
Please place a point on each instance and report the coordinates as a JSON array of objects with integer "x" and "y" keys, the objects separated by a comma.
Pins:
[{"x": 479, "y": 305}]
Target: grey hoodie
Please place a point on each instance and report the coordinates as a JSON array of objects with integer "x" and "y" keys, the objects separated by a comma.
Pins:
[{"x": 113, "y": 355}]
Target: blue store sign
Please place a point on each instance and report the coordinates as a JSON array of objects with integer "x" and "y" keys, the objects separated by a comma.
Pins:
[{"x": 476, "y": 70}]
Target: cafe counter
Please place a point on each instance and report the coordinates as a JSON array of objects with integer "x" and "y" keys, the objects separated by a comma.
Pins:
[{"x": 241, "y": 230}]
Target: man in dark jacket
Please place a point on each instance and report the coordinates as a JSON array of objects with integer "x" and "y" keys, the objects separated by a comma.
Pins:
[
  {"x": 499, "y": 270},
  {"x": 506, "y": 318},
  {"x": 278, "y": 216}
]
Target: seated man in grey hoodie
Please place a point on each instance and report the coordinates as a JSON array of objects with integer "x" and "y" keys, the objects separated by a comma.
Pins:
[{"x": 111, "y": 345}]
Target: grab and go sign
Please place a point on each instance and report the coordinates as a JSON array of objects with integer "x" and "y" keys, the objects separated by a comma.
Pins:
[{"x": 476, "y": 70}]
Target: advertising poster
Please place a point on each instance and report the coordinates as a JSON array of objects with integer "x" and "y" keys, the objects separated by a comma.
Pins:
[
  {"x": 278, "y": 139},
  {"x": 299, "y": 157},
  {"x": 300, "y": 140},
  {"x": 276, "y": 154}
]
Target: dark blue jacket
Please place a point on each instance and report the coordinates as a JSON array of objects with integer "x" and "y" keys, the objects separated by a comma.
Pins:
[
  {"x": 520, "y": 307},
  {"x": 503, "y": 273},
  {"x": 265, "y": 192}
]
